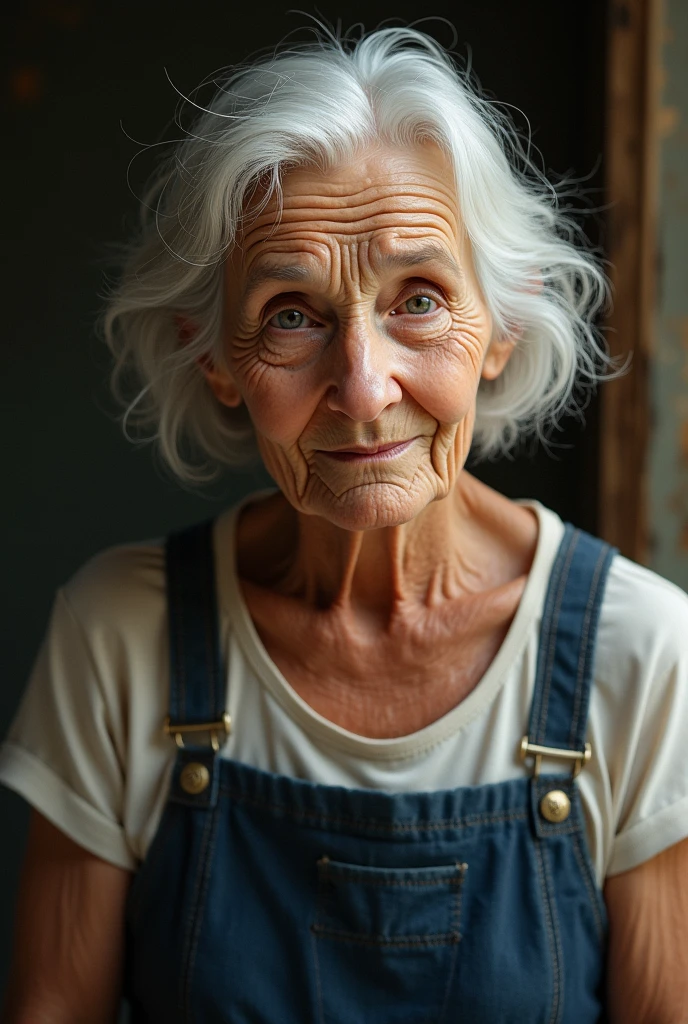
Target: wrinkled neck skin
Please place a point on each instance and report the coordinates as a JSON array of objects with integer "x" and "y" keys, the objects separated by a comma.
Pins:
[
  {"x": 382, "y": 570},
  {"x": 470, "y": 542}
]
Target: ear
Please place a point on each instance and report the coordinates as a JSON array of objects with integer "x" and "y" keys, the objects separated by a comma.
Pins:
[
  {"x": 497, "y": 356},
  {"x": 499, "y": 352},
  {"x": 220, "y": 382}
]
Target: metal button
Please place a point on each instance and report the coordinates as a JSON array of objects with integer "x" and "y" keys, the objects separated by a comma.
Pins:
[
  {"x": 555, "y": 806},
  {"x": 194, "y": 777}
]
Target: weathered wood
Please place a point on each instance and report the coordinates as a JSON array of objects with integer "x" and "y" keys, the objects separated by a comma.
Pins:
[{"x": 631, "y": 187}]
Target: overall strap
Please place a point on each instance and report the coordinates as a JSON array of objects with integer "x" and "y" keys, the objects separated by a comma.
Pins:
[
  {"x": 197, "y": 691},
  {"x": 568, "y": 633}
]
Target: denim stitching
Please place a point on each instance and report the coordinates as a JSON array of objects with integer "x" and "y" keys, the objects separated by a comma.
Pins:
[
  {"x": 392, "y": 883},
  {"x": 559, "y": 1005},
  {"x": 463, "y": 868},
  {"x": 549, "y": 928},
  {"x": 380, "y": 941},
  {"x": 592, "y": 892},
  {"x": 371, "y": 823},
  {"x": 546, "y": 654},
  {"x": 551, "y": 651},
  {"x": 455, "y": 952},
  {"x": 541, "y": 667},
  {"x": 541, "y": 733},
  {"x": 584, "y": 651},
  {"x": 193, "y": 929}
]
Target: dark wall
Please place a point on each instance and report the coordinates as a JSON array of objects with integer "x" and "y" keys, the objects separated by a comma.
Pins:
[{"x": 74, "y": 71}]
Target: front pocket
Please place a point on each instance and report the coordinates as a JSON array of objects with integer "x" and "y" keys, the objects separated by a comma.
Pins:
[
  {"x": 389, "y": 906},
  {"x": 385, "y": 941}
]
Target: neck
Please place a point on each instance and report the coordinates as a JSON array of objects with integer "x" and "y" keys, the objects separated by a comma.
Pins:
[{"x": 455, "y": 547}]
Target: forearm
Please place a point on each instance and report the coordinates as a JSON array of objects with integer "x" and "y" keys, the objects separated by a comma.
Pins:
[
  {"x": 68, "y": 950},
  {"x": 648, "y": 942}
]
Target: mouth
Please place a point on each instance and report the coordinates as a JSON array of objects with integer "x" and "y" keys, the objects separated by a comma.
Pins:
[{"x": 358, "y": 453}]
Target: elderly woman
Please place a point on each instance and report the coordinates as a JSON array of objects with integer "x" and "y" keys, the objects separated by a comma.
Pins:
[{"x": 379, "y": 744}]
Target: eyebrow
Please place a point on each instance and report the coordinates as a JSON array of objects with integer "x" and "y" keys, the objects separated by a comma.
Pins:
[
  {"x": 413, "y": 257},
  {"x": 269, "y": 271},
  {"x": 426, "y": 253}
]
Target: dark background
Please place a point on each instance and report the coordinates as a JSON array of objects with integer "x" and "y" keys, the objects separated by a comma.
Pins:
[{"x": 72, "y": 73}]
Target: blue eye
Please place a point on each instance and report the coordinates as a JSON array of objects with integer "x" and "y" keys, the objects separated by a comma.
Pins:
[
  {"x": 418, "y": 304},
  {"x": 289, "y": 319}
]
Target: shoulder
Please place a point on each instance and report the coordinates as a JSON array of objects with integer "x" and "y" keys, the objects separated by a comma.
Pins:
[
  {"x": 643, "y": 626},
  {"x": 120, "y": 589}
]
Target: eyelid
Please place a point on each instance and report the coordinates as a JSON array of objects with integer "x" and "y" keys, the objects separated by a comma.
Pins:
[
  {"x": 432, "y": 292},
  {"x": 282, "y": 302},
  {"x": 296, "y": 308},
  {"x": 278, "y": 305}
]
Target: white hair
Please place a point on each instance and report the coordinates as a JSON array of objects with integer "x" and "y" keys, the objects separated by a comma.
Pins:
[{"x": 321, "y": 103}]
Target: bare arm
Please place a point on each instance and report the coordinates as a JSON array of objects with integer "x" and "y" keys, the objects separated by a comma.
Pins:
[
  {"x": 648, "y": 941},
  {"x": 69, "y": 934}
]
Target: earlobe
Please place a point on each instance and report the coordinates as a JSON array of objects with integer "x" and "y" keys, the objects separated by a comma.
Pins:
[
  {"x": 222, "y": 386},
  {"x": 496, "y": 357}
]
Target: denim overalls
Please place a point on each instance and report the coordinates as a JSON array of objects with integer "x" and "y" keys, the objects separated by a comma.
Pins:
[{"x": 266, "y": 899}]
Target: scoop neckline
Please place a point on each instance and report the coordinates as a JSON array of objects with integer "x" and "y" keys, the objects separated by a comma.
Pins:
[{"x": 238, "y": 620}]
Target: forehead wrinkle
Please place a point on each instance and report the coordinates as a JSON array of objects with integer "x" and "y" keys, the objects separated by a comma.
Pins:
[
  {"x": 379, "y": 207},
  {"x": 375, "y": 204},
  {"x": 412, "y": 256},
  {"x": 341, "y": 195},
  {"x": 404, "y": 222},
  {"x": 406, "y": 256}
]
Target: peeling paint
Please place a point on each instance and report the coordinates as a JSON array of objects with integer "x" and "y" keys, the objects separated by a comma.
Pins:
[{"x": 668, "y": 461}]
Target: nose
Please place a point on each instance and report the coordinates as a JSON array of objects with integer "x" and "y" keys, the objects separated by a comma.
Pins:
[{"x": 363, "y": 384}]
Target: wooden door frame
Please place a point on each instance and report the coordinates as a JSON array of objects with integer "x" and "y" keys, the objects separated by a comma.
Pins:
[{"x": 631, "y": 156}]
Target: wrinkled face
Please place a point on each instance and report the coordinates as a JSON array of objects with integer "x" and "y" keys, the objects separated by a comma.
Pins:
[{"x": 357, "y": 334}]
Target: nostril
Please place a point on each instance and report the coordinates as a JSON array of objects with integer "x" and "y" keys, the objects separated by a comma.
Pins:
[{"x": 362, "y": 397}]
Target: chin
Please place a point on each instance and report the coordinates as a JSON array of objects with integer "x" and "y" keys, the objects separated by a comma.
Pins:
[{"x": 370, "y": 506}]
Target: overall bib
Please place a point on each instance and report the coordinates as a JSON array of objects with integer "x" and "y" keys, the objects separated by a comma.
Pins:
[{"x": 266, "y": 899}]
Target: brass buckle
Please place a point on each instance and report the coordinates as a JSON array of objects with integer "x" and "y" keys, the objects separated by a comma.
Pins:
[
  {"x": 224, "y": 725},
  {"x": 579, "y": 757}
]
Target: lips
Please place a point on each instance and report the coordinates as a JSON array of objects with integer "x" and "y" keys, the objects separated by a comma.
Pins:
[
  {"x": 360, "y": 450},
  {"x": 359, "y": 453}
]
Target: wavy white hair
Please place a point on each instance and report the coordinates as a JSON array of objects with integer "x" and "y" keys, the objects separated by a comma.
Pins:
[{"x": 321, "y": 103}]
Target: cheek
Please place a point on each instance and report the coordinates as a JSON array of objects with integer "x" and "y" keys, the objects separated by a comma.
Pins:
[
  {"x": 444, "y": 379},
  {"x": 280, "y": 403}
]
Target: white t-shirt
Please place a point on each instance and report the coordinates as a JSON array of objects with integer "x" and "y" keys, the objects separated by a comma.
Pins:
[{"x": 87, "y": 749}]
